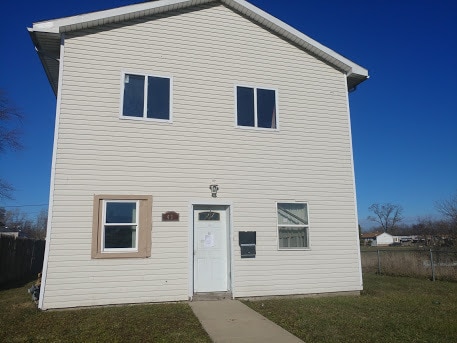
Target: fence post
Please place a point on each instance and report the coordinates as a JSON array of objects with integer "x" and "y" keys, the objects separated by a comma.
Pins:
[
  {"x": 432, "y": 264},
  {"x": 379, "y": 262}
]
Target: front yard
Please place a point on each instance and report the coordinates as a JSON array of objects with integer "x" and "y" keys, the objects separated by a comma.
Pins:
[
  {"x": 391, "y": 309},
  {"x": 21, "y": 321}
]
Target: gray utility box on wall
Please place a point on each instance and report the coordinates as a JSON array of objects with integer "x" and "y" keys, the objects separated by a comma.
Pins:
[{"x": 247, "y": 240}]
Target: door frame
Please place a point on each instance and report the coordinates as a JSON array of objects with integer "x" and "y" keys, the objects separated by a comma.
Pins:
[{"x": 230, "y": 271}]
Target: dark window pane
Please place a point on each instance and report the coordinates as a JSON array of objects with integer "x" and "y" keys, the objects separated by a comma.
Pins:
[
  {"x": 209, "y": 216},
  {"x": 120, "y": 237},
  {"x": 133, "y": 96},
  {"x": 266, "y": 108},
  {"x": 158, "y": 97},
  {"x": 245, "y": 106},
  {"x": 120, "y": 212}
]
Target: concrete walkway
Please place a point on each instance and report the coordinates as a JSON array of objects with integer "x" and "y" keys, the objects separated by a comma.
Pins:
[{"x": 232, "y": 321}]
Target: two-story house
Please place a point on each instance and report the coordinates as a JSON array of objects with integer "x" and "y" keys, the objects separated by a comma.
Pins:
[{"x": 200, "y": 146}]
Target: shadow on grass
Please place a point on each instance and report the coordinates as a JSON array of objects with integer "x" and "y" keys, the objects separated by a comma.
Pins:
[{"x": 18, "y": 283}]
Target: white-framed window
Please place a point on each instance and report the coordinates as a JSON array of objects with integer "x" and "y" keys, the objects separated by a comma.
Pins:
[
  {"x": 293, "y": 225},
  {"x": 256, "y": 107},
  {"x": 122, "y": 226},
  {"x": 146, "y": 96}
]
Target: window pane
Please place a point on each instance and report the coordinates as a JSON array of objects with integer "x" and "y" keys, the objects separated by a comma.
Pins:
[
  {"x": 158, "y": 97},
  {"x": 120, "y": 237},
  {"x": 292, "y": 237},
  {"x": 266, "y": 108},
  {"x": 120, "y": 212},
  {"x": 215, "y": 216},
  {"x": 292, "y": 214},
  {"x": 133, "y": 95},
  {"x": 245, "y": 106}
]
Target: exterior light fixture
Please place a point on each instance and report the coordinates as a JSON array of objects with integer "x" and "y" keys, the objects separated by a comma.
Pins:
[{"x": 214, "y": 188}]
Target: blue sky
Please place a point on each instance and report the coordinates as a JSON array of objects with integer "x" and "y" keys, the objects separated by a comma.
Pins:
[{"x": 404, "y": 118}]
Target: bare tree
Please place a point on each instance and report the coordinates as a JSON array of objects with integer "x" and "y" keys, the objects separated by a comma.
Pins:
[
  {"x": 448, "y": 208},
  {"x": 2, "y": 217},
  {"x": 41, "y": 224},
  {"x": 16, "y": 219},
  {"x": 10, "y": 117},
  {"x": 6, "y": 190},
  {"x": 387, "y": 215}
]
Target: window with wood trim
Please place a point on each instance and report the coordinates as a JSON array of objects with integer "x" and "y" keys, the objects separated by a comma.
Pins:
[{"x": 122, "y": 226}]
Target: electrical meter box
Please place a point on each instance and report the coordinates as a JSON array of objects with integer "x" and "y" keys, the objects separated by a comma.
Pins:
[{"x": 247, "y": 241}]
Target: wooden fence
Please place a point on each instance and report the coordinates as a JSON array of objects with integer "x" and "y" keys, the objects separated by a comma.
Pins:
[{"x": 21, "y": 259}]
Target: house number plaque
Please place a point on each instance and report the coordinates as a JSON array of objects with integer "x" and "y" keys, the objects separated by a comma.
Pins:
[{"x": 170, "y": 216}]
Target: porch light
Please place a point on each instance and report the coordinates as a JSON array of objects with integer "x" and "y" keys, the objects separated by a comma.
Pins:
[{"x": 214, "y": 188}]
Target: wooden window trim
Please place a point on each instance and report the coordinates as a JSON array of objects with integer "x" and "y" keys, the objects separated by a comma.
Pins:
[{"x": 144, "y": 227}]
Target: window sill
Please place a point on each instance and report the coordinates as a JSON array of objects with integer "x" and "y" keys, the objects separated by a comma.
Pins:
[
  {"x": 169, "y": 121},
  {"x": 108, "y": 255},
  {"x": 257, "y": 128}
]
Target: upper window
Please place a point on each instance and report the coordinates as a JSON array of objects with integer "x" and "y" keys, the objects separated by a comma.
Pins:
[
  {"x": 256, "y": 107},
  {"x": 293, "y": 225},
  {"x": 146, "y": 96},
  {"x": 122, "y": 226}
]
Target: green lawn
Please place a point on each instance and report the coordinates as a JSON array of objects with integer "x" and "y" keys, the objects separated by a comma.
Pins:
[
  {"x": 21, "y": 321},
  {"x": 390, "y": 309}
]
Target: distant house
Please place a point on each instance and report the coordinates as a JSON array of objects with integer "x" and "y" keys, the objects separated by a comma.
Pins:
[
  {"x": 383, "y": 239},
  {"x": 200, "y": 146},
  {"x": 378, "y": 239},
  {"x": 368, "y": 237},
  {"x": 10, "y": 232}
]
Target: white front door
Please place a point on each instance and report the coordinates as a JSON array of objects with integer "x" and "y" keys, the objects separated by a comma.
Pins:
[{"x": 210, "y": 248}]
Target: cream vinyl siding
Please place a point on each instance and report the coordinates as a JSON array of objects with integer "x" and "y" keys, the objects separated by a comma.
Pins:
[{"x": 207, "y": 51}]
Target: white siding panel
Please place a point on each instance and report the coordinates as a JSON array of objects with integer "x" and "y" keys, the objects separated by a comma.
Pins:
[{"x": 207, "y": 52}]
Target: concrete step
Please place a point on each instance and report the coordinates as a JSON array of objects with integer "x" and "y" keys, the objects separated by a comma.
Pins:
[{"x": 212, "y": 296}]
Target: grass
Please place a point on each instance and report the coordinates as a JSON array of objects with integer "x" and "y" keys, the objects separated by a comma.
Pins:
[
  {"x": 412, "y": 263},
  {"x": 390, "y": 309},
  {"x": 21, "y": 321}
]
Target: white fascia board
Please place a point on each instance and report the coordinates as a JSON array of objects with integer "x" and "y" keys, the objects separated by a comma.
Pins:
[
  {"x": 112, "y": 15},
  {"x": 352, "y": 70},
  {"x": 296, "y": 36}
]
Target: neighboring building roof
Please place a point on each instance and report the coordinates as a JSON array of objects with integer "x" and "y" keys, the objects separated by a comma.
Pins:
[
  {"x": 46, "y": 35},
  {"x": 8, "y": 230},
  {"x": 369, "y": 235},
  {"x": 373, "y": 235}
]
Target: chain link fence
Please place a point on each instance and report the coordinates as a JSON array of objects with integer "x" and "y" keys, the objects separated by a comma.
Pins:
[{"x": 432, "y": 264}]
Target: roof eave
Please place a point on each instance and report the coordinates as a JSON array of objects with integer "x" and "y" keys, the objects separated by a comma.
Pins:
[
  {"x": 355, "y": 74},
  {"x": 50, "y": 63}
]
